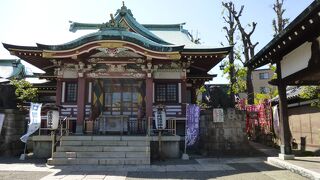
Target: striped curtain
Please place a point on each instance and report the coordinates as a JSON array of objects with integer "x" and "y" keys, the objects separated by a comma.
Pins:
[{"x": 98, "y": 92}]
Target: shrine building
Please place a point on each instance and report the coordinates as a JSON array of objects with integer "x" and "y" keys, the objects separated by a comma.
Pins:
[{"x": 124, "y": 69}]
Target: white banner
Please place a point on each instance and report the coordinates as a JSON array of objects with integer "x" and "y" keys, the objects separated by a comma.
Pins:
[
  {"x": 35, "y": 121},
  {"x": 1, "y": 121},
  {"x": 276, "y": 121},
  {"x": 218, "y": 115}
]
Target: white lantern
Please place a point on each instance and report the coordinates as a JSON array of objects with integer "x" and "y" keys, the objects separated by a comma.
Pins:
[
  {"x": 53, "y": 119},
  {"x": 160, "y": 118}
]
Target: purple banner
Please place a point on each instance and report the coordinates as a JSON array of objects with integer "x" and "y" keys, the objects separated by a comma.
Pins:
[{"x": 192, "y": 123}]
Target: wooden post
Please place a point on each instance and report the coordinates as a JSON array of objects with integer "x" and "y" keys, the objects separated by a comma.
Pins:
[
  {"x": 285, "y": 134},
  {"x": 80, "y": 104}
]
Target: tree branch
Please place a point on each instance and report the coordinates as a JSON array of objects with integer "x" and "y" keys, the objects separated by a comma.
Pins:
[{"x": 254, "y": 24}]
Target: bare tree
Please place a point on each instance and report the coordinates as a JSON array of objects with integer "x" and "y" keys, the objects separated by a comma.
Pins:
[
  {"x": 248, "y": 46},
  {"x": 279, "y": 23},
  {"x": 230, "y": 30}
]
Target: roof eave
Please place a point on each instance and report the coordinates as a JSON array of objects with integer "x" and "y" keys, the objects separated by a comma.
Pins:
[
  {"x": 280, "y": 37},
  {"x": 225, "y": 50}
]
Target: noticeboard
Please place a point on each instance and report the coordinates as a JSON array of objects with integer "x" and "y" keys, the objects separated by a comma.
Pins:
[{"x": 218, "y": 115}]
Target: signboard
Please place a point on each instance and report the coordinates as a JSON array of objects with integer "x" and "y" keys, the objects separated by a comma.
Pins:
[
  {"x": 218, "y": 115},
  {"x": 1, "y": 121},
  {"x": 192, "y": 129},
  {"x": 35, "y": 121}
]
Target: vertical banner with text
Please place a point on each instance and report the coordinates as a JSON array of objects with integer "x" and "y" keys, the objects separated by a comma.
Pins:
[
  {"x": 35, "y": 121},
  {"x": 1, "y": 121},
  {"x": 192, "y": 129}
]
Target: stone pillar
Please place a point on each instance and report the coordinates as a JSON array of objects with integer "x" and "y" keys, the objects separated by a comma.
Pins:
[
  {"x": 285, "y": 134},
  {"x": 81, "y": 104}
]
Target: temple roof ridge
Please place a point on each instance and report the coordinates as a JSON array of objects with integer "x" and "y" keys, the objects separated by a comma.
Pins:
[
  {"x": 113, "y": 34},
  {"x": 123, "y": 20},
  {"x": 175, "y": 26}
]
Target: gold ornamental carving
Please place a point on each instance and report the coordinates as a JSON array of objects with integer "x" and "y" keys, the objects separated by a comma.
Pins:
[
  {"x": 111, "y": 44},
  {"x": 47, "y": 54},
  {"x": 174, "y": 56}
]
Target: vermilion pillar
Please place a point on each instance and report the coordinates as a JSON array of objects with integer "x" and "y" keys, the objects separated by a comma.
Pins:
[
  {"x": 58, "y": 91},
  {"x": 149, "y": 96},
  {"x": 183, "y": 96},
  {"x": 80, "y": 104}
]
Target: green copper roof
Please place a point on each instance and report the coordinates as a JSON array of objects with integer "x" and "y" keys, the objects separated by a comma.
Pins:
[
  {"x": 121, "y": 14},
  {"x": 17, "y": 68},
  {"x": 127, "y": 15},
  {"x": 114, "y": 34},
  {"x": 164, "y": 27},
  {"x": 11, "y": 68}
]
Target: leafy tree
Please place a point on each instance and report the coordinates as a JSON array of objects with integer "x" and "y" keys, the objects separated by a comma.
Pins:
[
  {"x": 239, "y": 75},
  {"x": 24, "y": 91},
  {"x": 311, "y": 92}
]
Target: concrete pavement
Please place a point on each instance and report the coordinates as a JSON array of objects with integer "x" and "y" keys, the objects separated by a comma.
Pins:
[
  {"x": 305, "y": 166},
  {"x": 199, "y": 168}
]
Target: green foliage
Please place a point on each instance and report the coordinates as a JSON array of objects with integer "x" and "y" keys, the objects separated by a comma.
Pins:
[
  {"x": 240, "y": 75},
  {"x": 273, "y": 68},
  {"x": 25, "y": 92},
  {"x": 258, "y": 97},
  {"x": 200, "y": 91},
  {"x": 311, "y": 92}
]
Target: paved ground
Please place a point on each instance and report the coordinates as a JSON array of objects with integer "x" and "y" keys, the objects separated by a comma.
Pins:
[
  {"x": 202, "y": 168},
  {"x": 305, "y": 166},
  {"x": 220, "y": 167}
]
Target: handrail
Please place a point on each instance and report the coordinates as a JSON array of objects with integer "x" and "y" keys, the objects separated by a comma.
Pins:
[
  {"x": 66, "y": 129},
  {"x": 53, "y": 134},
  {"x": 171, "y": 125}
]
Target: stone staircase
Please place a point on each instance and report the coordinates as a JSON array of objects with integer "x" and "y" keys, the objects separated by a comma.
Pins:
[{"x": 102, "y": 150}]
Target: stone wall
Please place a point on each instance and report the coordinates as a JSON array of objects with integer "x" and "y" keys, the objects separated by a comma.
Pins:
[
  {"x": 170, "y": 147},
  {"x": 223, "y": 137},
  {"x": 14, "y": 126}
]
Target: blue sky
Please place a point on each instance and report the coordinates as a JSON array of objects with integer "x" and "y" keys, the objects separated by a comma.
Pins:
[{"x": 47, "y": 21}]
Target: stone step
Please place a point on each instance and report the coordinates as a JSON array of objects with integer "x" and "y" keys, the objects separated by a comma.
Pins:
[
  {"x": 99, "y": 161},
  {"x": 103, "y": 149},
  {"x": 105, "y": 138},
  {"x": 103, "y": 143},
  {"x": 101, "y": 154},
  {"x": 126, "y": 149}
]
